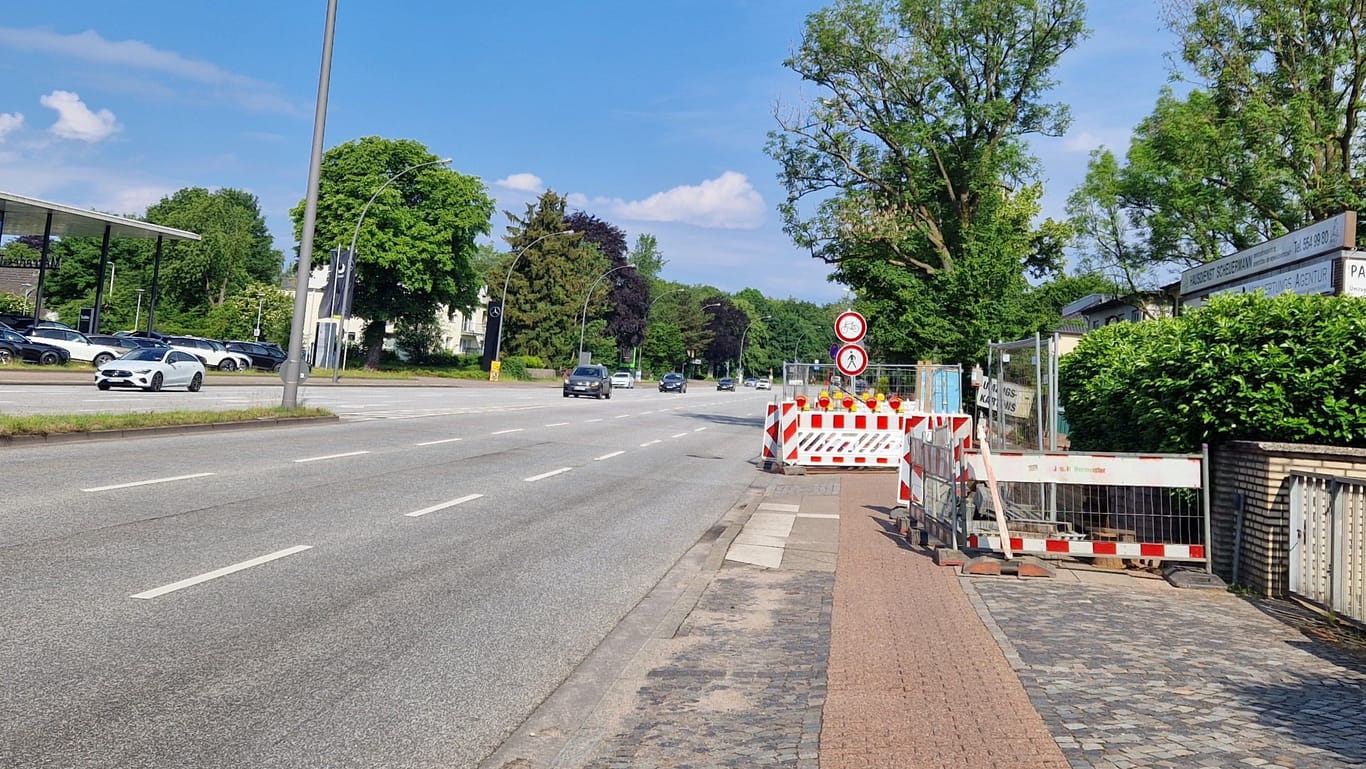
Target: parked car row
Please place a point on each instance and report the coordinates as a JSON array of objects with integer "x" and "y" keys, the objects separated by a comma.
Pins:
[{"x": 51, "y": 343}]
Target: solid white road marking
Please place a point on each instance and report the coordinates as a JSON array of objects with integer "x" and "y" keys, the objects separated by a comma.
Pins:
[
  {"x": 547, "y": 475},
  {"x": 216, "y": 573},
  {"x": 444, "y": 440},
  {"x": 148, "y": 483},
  {"x": 608, "y": 456},
  {"x": 444, "y": 505},
  {"x": 332, "y": 456},
  {"x": 505, "y": 432},
  {"x": 650, "y": 443}
]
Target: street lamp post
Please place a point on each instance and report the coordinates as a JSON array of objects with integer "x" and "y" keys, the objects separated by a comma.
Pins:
[
  {"x": 498, "y": 338},
  {"x": 137, "y": 314},
  {"x": 28, "y": 289},
  {"x": 260, "y": 302},
  {"x": 741, "y": 367},
  {"x": 583, "y": 325},
  {"x": 345, "y": 287}
]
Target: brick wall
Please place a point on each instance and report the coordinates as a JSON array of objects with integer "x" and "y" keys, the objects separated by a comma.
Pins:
[{"x": 1259, "y": 472}]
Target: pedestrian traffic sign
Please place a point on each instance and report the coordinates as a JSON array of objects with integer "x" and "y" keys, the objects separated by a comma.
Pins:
[{"x": 852, "y": 360}]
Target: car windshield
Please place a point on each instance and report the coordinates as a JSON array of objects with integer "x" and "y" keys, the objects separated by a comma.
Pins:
[
  {"x": 587, "y": 371},
  {"x": 144, "y": 353}
]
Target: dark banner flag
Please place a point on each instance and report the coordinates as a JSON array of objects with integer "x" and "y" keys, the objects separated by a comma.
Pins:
[
  {"x": 341, "y": 286},
  {"x": 492, "y": 327}
]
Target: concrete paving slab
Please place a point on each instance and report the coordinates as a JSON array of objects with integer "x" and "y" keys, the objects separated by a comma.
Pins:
[
  {"x": 757, "y": 555},
  {"x": 772, "y": 524},
  {"x": 779, "y": 507},
  {"x": 752, "y": 538}
]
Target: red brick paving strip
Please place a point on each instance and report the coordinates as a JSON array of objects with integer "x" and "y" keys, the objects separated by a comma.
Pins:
[{"x": 914, "y": 678}]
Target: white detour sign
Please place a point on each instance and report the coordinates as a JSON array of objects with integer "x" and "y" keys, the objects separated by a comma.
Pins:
[{"x": 1012, "y": 399}]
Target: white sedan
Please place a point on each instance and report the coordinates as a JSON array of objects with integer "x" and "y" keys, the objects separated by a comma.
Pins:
[
  {"x": 76, "y": 343},
  {"x": 623, "y": 379},
  {"x": 152, "y": 368}
]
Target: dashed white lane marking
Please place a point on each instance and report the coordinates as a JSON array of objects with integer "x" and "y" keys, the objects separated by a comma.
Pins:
[
  {"x": 621, "y": 416},
  {"x": 505, "y": 432},
  {"x": 543, "y": 476},
  {"x": 700, "y": 429},
  {"x": 216, "y": 573},
  {"x": 443, "y": 505},
  {"x": 443, "y": 440},
  {"x": 650, "y": 443},
  {"x": 332, "y": 456},
  {"x": 593, "y": 420},
  {"x": 148, "y": 482},
  {"x": 557, "y": 424},
  {"x": 608, "y": 456},
  {"x": 678, "y": 435}
]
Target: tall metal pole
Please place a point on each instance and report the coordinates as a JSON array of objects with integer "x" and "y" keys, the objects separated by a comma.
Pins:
[
  {"x": 740, "y": 369},
  {"x": 584, "y": 325},
  {"x": 296, "y": 327},
  {"x": 498, "y": 339},
  {"x": 345, "y": 287}
]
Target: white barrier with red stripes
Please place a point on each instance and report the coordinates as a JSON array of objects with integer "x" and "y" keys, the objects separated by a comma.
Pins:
[
  {"x": 1153, "y": 474},
  {"x": 923, "y": 447},
  {"x": 769, "y": 451},
  {"x": 847, "y": 439}
]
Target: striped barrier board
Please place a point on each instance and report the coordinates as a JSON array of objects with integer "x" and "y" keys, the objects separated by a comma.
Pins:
[
  {"x": 1083, "y": 547},
  {"x": 770, "y": 448}
]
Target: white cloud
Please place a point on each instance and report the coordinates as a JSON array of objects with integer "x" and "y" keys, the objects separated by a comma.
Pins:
[
  {"x": 9, "y": 121},
  {"x": 134, "y": 54},
  {"x": 1082, "y": 142},
  {"x": 75, "y": 120},
  {"x": 523, "y": 182},
  {"x": 727, "y": 202}
]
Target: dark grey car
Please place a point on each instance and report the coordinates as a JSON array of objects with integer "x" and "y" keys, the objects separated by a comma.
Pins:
[{"x": 588, "y": 380}]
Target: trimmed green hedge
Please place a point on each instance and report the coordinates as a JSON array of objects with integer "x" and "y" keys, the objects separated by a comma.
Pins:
[{"x": 1243, "y": 367}]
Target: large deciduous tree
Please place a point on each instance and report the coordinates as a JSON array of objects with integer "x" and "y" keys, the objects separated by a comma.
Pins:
[
  {"x": 236, "y": 249},
  {"x": 920, "y": 189},
  {"x": 1268, "y": 140},
  {"x": 415, "y": 249}
]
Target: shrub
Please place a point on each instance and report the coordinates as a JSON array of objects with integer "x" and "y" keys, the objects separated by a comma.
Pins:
[{"x": 1243, "y": 367}]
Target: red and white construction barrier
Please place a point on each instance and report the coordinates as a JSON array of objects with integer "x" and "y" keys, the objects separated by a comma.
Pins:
[
  {"x": 771, "y": 446},
  {"x": 851, "y": 439},
  {"x": 933, "y": 443},
  {"x": 1132, "y": 550}
]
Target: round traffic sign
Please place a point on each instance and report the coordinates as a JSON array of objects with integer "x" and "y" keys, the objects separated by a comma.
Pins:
[
  {"x": 850, "y": 326},
  {"x": 852, "y": 360}
]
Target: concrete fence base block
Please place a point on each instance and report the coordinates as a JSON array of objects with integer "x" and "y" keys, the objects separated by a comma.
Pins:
[
  {"x": 794, "y": 470},
  {"x": 947, "y": 556},
  {"x": 982, "y": 565}
]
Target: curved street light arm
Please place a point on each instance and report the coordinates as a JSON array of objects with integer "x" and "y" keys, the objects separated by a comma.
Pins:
[
  {"x": 583, "y": 325},
  {"x": 741, "y": 367},
  {"x": 498, "y": 340}
]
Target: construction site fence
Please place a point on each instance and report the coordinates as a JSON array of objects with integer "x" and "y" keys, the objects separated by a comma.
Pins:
[{"x": 1115, "y": 509}]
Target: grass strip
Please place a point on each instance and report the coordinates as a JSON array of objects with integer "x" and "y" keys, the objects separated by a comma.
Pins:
[{"x": 57, "y": 424}]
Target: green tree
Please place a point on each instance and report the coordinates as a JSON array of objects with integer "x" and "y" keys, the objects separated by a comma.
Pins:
[
  {"x": 1268, "y": 140},
  {"x": 416, "y": 246},
  {"x": 235, "y": 247},
  {"x": 548, "y": 282},
  {"x": 925, "y": 193},
  {"x": 647, "y": 257}
]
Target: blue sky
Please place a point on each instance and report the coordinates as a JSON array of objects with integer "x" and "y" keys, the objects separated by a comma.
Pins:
[{"x": 650, "y": 115}]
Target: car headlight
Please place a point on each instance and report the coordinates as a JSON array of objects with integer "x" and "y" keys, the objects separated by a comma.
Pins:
[{"x": 142, "y": 371}]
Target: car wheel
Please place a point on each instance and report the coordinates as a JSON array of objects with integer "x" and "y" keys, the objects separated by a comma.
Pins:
[
  {"x": 566, "y": 395},
  {"x": 102, "y": 385},
  {"x": 276, "y": 368},
  {"x": 5, "y": 357},
  {"x": 50, "y": 358},
  {"x": 609, "y": 395},
  {"x": 228, "y": 364},
  {"x": 155, "y": 384},
  {"x": 196, "y": 382},
  {"x": 102, "y": 359}
]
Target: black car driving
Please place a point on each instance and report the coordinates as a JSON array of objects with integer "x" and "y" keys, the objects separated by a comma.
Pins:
[
  {"x": 673, "y": 382},
  {"x": 725, "y": 383}
]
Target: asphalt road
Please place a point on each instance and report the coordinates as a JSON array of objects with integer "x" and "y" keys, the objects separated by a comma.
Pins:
[{"x": 398, "y": 589}]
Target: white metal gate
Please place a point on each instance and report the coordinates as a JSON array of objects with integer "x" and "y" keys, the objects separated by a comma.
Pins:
[{"x": 1328, "y": 543}]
